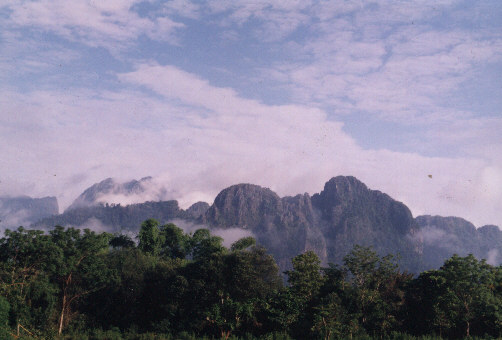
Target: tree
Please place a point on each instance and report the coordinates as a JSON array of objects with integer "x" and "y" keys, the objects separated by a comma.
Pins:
[
  {"x": 251, "y": 274},
  {"x": 228, "y": 315},
  {"x": 305, "y": 279},
  {"x": 203, "y": 245},
  {"x": 329, "y": 317},
  {"x": 24, "y": 261},
  {"x": 243, "y": 243},
  {"x": 175, "y": 243},
  {"x": 377, "y": 289},
  {"x": 424, "y": 313},
  {"x": 4, "y": 318},
  {"x": 150, "y": 240},
  {"x": 468, "y": 290},
  {"x": 458, "y": 300},
  {"x": 122, "y": 242},
  {"x": 77, "y": 266}
]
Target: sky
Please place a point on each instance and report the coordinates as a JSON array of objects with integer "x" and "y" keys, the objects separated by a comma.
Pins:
[{"x": 404, "y": 95}]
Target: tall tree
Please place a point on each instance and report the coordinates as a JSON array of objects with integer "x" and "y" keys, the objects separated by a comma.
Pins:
[
  {"x": 377, "y": 289},
  {"x": 306, "y": 278},
  {"x": 468, "y": 290},
  {"x": 203, "y": 245},
  {"x": 24, "y": 261},
  {"x": 175, "y": 243},
  {"x": 150, "y": 238},
  {"x": 77, "y": 266}
]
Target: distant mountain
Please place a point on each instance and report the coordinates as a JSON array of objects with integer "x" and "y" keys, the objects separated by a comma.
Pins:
[
  {"x": 106, "y": 190},
  {"x": 196, "y": 210},
  {"x": 24, "y": 210},
  {"x": 444, "y": 236},
  {"x": 346, "y": 212},
  {"x": 118, "y": 218}
]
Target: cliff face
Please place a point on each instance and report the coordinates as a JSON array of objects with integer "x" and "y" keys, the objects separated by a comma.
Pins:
[
  {"x": 330, "y": 223},
  {"x": 445, "y": 236},
  {"x": 24, "y": 210},
  {"x": 246, "y": 206},
  {"x": 345, "y": 213},
  {"x": 196, "y": 210},
  {"x": 353, "y": 214},
  {"x": 114, "y": 218}
]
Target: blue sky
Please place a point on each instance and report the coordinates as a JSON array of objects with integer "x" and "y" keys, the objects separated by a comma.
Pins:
[{"x": 284, "y": 94}]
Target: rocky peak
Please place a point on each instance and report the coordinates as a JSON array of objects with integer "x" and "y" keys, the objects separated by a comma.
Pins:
[
  {"x": 344, "y": 188},
  {"x": 136, "y": 187},
  {"x": 91, "y": 196},
  {"x": 344, "y": 197},
  {"x": 197, "y": 209},
  {"x": 244, "y": 205},
  {"x": 489, "y": 230},
  {"x": 338, "y": 191},
  {"x": 449, "y": 224}
]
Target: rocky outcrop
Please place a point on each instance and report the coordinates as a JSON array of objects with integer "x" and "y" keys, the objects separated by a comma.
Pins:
[
  {"x": 114, "y": 218},
  {"x": 24, "y": 210},
  {"x": 345, "y": 213},
  {"x": 444, "y": 236},
  {"x": 353, "y": 214},
  {"x": 246, "y": 206},
  {"x": 197, "y": 210}
]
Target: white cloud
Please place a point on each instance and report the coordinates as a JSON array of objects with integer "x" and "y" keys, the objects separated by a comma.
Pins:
[
  {"x": 276, "y": 20},
  {"x": 95, "y": 23},
  {"x": 492, "y": 256},
  {"x": 215, "y": 140},
  {"x": 196, "y": 138},
  {"x": 400, "y": 79},
  {"x": 183, "y": 8}
]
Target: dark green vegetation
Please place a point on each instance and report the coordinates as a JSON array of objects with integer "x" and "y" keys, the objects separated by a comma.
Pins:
[
  {"x": 330, "y": 223},
  {"x": 74, "y": 284}
]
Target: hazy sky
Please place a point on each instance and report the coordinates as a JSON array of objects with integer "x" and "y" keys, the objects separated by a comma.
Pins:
[{"x": 404, "y": 95}]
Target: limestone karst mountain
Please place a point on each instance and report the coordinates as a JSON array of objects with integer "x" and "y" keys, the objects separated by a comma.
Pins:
[
  {"x": 24, "y": 210},
  {"x": 444, "y": 236},
  {"x": 106, "y": 190},
  {"x": 346, "y": 212}
]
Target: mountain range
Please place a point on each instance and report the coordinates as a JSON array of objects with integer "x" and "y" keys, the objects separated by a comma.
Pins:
[
  {"x": 24, "y": 210},
  {"x": 346, "y": 212}
]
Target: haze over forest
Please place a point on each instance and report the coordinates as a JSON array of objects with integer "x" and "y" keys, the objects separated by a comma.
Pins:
[{"x": 203, "y": 95}]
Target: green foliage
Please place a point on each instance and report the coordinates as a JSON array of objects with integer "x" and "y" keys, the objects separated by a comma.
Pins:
[
  {"x": 150, "y": 240},
  {"x": 243, "y": 243},
  {"x": 78, "y": 266},
  {"x": 203, "y": 244},
  {"x": 122, "y": 242},
  {"x": 4, "y": 318},
  {"x": 305, "y": 279},
  {"x": 460, "y": 299},
  {"x": 85, "y": 285},
  {"x": 175, "y": 243},
  {"x": 377, "y": 290},
  {"x": 4, "y": 311}
]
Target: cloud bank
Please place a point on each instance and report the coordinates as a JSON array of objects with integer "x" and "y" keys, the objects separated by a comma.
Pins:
[{"x": 403, "y": 96}]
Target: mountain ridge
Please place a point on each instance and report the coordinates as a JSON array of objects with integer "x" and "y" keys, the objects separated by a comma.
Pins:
[
  {"x": 17, "y": 210},
  {"x": 344, "y": 213}
]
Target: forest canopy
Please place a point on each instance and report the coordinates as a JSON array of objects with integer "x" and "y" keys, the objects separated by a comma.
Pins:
[{"x": 71, "y": 283}]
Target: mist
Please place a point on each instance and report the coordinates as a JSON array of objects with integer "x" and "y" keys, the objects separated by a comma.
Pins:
[{"x": 229, "y": 235}]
